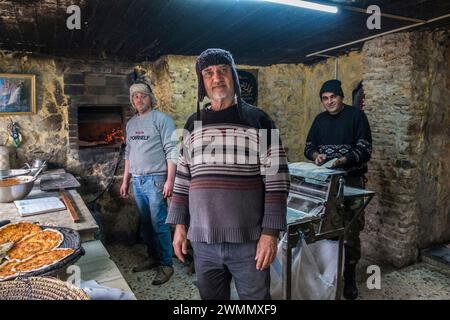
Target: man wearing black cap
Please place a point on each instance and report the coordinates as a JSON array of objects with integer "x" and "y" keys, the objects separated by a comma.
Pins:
[
  {"x": 343, "y": 132},
  {"x": 229, "y": 204}
]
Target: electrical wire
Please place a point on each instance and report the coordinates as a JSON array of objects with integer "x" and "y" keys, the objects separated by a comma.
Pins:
[{"x": 108, "y": 186}]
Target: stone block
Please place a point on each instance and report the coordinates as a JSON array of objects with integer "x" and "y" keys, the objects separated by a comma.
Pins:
[
  {"x": 95, "y": 90},
  {"x": 73, "y": 78},
  {"x": 74, "y": 90},
  {"x": 94, "y": 80},
  {"x": 107, "y": 99},
  {"x": 119, "y": 81},
  {"x": 88, "y": 99},
  {"x": 116, "y": 90},
  {"x": 123, "y": 99}
]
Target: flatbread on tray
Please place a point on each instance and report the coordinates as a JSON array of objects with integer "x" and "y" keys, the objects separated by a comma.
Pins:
[
  {"x": 42, "y": 241},
  {"x": 14, "y": 232},
  {"x": 42, "y": 260}
]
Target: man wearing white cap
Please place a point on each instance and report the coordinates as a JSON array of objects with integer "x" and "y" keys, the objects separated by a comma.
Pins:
[{"x": 150, "y": 164}]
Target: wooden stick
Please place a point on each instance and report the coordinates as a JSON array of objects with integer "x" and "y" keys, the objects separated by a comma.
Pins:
[{"x": 69, "y": 205}]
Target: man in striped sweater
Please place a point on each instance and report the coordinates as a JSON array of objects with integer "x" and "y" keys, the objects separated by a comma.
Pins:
[{"x": 230, "y": 188}]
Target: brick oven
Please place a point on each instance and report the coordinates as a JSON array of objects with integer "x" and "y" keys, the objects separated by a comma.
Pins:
[
  {"x": 100, "y": 126},
  {"x": 96, "y": 131}
]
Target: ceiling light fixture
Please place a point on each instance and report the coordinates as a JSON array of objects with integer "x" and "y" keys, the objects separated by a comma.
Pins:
[{"x": 306, "y": 4}]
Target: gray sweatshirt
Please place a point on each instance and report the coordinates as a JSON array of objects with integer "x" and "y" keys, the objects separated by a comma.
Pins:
[{"x": 149, "y": 143}]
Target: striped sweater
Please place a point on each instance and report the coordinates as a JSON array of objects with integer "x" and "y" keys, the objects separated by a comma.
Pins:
[{"x": 228, "y": 186}]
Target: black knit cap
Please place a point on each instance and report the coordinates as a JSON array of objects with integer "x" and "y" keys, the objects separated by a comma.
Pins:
[
  {"x": 211, "y": 57},
  {"x": 333, "y": 86}
]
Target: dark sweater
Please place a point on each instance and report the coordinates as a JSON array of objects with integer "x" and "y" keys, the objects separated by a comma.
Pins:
[
  {"x": 344, "y": 134},
  {"x": 229, "y": 200}
]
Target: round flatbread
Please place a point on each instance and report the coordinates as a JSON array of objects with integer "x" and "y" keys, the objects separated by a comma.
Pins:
[
  {"x": 14, "y": 232},
  {"x": 6, "y": 270},
  {"x": 42, "y": 260},
  {"x": 42, "y": 241}
]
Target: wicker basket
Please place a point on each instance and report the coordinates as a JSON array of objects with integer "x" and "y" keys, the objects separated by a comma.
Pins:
[{"x": 40, "y": 288}]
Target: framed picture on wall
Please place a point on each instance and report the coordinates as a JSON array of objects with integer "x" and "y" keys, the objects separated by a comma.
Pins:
[
  {"x": 248, "y": 78},
  {"x": 17, "y": 94}
]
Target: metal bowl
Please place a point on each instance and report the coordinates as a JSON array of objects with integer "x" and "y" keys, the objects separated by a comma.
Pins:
[{"x": 15, "y": 188}]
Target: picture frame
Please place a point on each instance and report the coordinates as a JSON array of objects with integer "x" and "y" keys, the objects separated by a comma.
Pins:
[
  {"x": 17, "y": 94},
  {"x": 248, "y": 79}
]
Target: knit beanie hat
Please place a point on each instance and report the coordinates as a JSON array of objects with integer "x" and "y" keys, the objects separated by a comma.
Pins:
[
  {"x": 333, "y": 86},
  {"x": 142, "y": 88},
  {"x": 212, "y": 57}
]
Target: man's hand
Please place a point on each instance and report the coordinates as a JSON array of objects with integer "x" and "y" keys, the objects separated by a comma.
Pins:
[
  {"x": 320, "y": 159},
  {"x": 339, "y": 162},
  {"x": 266, "y": 251},
  {"x": 180, "y": 244},
  {"x": 124, "y": 190},
  {"x": 168, "y": 188}
]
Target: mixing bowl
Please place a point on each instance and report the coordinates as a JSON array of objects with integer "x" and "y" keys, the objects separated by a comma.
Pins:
[{"x": 15, "y": 188}]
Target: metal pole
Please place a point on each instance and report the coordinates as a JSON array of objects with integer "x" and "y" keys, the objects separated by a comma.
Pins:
[
  {"x": 339, "y": 267},
  {"x": 286, "y": 270},
  {"x": 387, "y": 15},
  {"x": 379, "y": 35}
]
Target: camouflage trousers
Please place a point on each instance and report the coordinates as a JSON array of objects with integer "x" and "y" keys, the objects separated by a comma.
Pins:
[{"x": 352, "y": 242}]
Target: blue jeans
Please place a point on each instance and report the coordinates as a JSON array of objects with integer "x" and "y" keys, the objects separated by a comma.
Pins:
[
  {"x": 152, "y": 206},
  {"x": 216, "y": 264}
]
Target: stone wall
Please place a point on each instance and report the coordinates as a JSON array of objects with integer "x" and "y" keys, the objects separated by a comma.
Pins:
[
  {"x": 405, "y": 82},
  {"x": 175, "y": 85},
  {"x": 44, "y": 133},
  {"x": 280, "y": 94},
  {"x": 432, "y": 62},
  {"x": 391, "y": 221}
]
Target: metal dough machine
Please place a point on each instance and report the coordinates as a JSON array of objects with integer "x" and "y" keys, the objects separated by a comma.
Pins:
[{"x": 315, "y": 212}]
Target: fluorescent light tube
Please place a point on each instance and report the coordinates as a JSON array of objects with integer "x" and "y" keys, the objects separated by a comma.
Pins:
[{"x": 307, "y": 5}]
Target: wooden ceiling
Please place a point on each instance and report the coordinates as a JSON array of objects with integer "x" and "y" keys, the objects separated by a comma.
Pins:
[{"x": 256, "y": 32}]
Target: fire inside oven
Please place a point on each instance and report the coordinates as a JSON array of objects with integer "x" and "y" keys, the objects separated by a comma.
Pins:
[{"x": 100, "y": 126}]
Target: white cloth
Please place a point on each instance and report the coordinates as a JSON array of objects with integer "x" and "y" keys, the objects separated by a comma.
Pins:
[{"x": 99, "y": 292}]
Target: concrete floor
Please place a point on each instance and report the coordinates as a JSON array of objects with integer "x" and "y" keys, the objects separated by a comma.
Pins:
[
  {"x": 418, "y": 281},
  {"x": 179, "y": 287}
]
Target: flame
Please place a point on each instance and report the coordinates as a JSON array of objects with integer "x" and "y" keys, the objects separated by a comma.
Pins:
[{"x": 115, "y": 135}]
